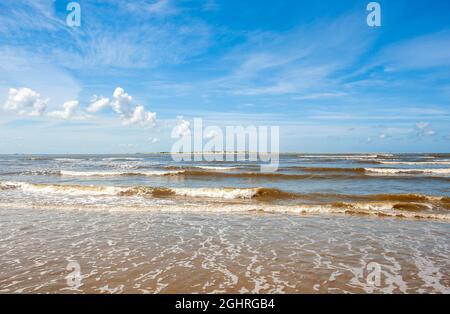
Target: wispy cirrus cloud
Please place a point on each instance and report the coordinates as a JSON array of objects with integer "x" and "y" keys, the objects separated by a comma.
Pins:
[
  {"x": 104, "y": 42},
  {"x": 301, "y": 61},
  {"x": 34, "y": 15},
  {"x": 20, "y": 67},
  {"x": 324, "y": 95},
  {"x": 316, "y": 76},
  {"x": 423, "y": 52}
]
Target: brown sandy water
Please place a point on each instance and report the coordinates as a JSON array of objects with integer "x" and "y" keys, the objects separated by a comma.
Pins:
[
  {"x": 195, "y": 252},
  {"x": 143, "y": 223}
]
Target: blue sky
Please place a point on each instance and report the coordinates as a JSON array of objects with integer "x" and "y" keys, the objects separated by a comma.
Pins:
[{"x": 120, "y": 82}]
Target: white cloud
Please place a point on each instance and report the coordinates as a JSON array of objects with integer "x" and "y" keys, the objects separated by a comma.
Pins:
[
  {"x": 69, "y": 111},
  {"x": 122, "y": 101},
  {"x": 181, "y": 129},
  {"x": 28, "y": 102},
  {"x": 98, "y": 104},
  {"x": 122, "y": 106},
  {"x": 25, "y": 101},
  {"x": 140, "y": 116}
]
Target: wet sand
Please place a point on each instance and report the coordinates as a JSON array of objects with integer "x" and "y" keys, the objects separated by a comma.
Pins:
[{"x": 155, "y": 252}]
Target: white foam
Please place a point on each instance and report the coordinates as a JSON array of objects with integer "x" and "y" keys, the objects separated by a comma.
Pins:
[
  {"x": 443, "y": 162},
  {"x": 217, "y": 168},
  {"x": 225, "y": 193},
  {"x": 400, "y": 171},
  {"x": 116, "y": 173},
  {"x": 340, "y": 156},
  {"x": 63, "y": 189},
  {"x": 121, "y": 158},
  {"x": 371, "y": 210},
  {"x": 110, "y": 198},
  {"x": 68, "y": 159}
]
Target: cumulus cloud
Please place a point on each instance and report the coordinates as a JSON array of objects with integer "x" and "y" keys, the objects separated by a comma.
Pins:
[
  {"x": 122, "y": 105},
  {"x": 69, "y": 111},
  {"x": 140, "y": 116},
  {"x": 122, "y": 101},
  {"x": 181, "y": 129},
  {"x": 28, "y": 102},
  {"x": 25, "y": 101},
  {"x": 98, "y": 103}
]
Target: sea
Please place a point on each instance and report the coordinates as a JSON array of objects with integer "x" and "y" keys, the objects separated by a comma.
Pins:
[{"x": 144, "y": 223}]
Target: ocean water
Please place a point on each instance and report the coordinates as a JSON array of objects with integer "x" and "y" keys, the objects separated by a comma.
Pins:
[{"x": 144, "y": 223}]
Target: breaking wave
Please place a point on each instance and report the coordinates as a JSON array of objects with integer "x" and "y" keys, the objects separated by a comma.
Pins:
[
  {"x": 63, "y": 189},
  {"x": 415, "y": 163},
  {"x": 293, "y": 173},
  {"x": 378, "y": 210},
  {"x": 116, "y": 173},
  {"x": 260, "y": 199},
  {"x": 216, "y": 168},
  {"x": 444, "y": 171}
]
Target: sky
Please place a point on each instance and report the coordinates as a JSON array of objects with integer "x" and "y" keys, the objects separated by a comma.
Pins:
[{"x": 134, "y": 71}]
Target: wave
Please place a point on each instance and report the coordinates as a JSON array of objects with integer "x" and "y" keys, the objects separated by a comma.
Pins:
[
  {"x": 122, "y": 159},
  {"x": 339, "y": 156},
  {"x": 62, "y": 189},
  {"x": 442, "y": 162},
  {"x": 444, "y": 171},
  {"x": 348, "y": 157},
  {"x": 257, "y": 193},
  {"x": 218, "y": 193},
  {"x": 376, "y": 210},
  {"x": 442, "y": 155},
  {"x": 325, "y": 169},
  {"x": 216, "y": 168},
  {"x": 310, "y": 173},
  {"x": 32, "y": 173},
  {"x": 209, "y": 168},
  {"x": 263, "y": 175},
  {"x": 69, "y": 159},
  {"x": 346, "y": 174},
  {"x": 116, "y": 173},
  {"x": 38, "y": 158},
  {"x": 93, "y": 173},
  {"x": 224, "y": 193},
  {"x": 258, "y": 199}
]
